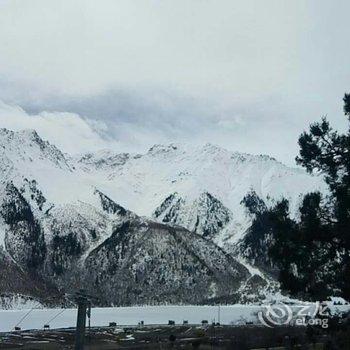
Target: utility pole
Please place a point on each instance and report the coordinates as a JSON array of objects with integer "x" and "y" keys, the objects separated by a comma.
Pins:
[{"x": 84, "y": 306}]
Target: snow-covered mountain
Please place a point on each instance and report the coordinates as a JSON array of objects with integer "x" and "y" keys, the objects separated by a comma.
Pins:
[
  {"x": 200, "y": 188},
  {"x": 133, "y": 228}
]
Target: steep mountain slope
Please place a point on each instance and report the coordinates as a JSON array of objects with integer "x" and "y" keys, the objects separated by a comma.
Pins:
[
  {"x": 154, "y": 262},
  {"x": 60, "y": 231}
]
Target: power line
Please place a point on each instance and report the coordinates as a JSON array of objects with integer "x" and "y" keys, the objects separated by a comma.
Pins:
[
  {"x": 22, "y": 319},
  {"x": 58, "y": 314}
]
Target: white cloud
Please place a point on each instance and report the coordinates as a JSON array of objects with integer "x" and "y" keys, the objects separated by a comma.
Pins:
[
  {"x": 240, "y": 47},
  {"x": 252, "y": 74},
  {"x": 68, "y": 131}
]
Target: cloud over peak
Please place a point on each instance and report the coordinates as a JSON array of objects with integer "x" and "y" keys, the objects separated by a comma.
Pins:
[{"x": 68, "y": 131}]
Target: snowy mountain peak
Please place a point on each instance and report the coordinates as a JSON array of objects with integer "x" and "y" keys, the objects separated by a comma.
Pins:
[
  {"x": 143, "y": 182},
  {"x": 163, "y": 149},
  {"x": 103, "y": 160},
  {"x": 27, "y": 146},
  {"x": 206, "y": 152},
  {"x": 214, "y": 149},
  {"x": 206, "y": 215},
  {"x": 179, "y": 148}
]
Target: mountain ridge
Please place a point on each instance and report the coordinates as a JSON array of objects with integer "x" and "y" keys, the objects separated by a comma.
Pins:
[{"x": 63, "y": 210}]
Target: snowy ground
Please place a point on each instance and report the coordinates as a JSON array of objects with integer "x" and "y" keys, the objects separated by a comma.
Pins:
[{"x": 234, "y": 314}]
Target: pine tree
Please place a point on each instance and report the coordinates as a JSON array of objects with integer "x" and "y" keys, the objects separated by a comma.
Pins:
[
  {"x": 313, "y": 252},
  {"x": 324, "y": 150}
]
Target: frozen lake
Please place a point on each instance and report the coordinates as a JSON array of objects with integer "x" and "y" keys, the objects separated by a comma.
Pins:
[
  {"x": 63, "y": 318},
  {"x": 236, "y": 314}
]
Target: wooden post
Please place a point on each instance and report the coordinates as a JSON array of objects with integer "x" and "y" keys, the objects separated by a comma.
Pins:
[
  {"x": 83, "y": 301},
  {"x": 81, "y": 323}
]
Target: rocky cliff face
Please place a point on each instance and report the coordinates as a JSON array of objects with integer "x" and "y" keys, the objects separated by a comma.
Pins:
[{"x": 206, "y": 215}]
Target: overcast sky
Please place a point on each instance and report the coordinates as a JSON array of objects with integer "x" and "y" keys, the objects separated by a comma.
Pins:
[{"x": 247, "y": 75}]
